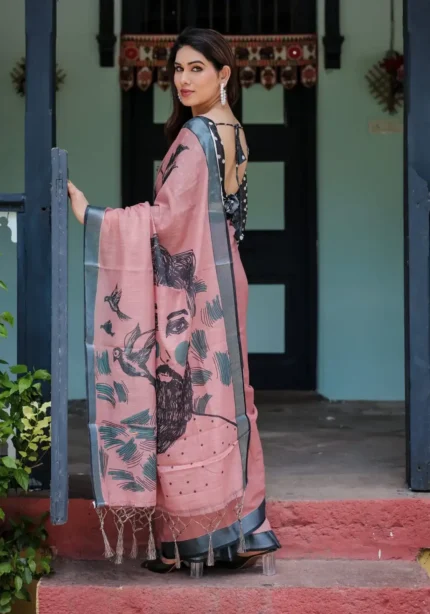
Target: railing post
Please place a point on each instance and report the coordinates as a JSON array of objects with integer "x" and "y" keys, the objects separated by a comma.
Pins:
[
  {"x": 12, "y": 202},
  {"x": 59, "y": 353},
  {"x": 417, "y": 242}
]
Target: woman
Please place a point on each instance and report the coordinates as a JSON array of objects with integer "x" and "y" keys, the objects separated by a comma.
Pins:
[{"x": 173, "y": 432}]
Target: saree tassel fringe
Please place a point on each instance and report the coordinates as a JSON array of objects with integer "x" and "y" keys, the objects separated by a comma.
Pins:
[
  {"x": 120, "y": 544},
  {"x": 211, "y": 558},
  {"x": 242, "y": 543},
  {"x": 134, "y": 549},
  {"x": 177, "y": 556},
  {"x": 108, "y": 553},
  {"x": 151, "y": 553}
]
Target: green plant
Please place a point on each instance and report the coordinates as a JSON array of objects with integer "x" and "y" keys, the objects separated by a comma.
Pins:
[
  {"x": 23, "y": 558},
  {"x": 24, "y": 421}
]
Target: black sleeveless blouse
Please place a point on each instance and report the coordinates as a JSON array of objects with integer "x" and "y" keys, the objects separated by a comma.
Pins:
[{"x": 235, "y": 205}]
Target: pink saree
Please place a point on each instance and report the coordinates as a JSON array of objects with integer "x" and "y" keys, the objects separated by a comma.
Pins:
[{"x": 172, "y": 421}]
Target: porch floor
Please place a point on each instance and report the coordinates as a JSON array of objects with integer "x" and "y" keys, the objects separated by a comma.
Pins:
[
  {"x": 356, "y": 587},
  {"x": 313, "y": 449}
]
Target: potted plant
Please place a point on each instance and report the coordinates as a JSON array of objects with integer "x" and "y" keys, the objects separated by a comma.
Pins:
[{"x": 24, "y": 422}]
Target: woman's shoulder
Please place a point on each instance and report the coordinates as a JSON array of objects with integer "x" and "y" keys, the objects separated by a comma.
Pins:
[
  {"x": 197, "y": 122},
  {"x": 210, "y": 120},
  {"x": 198, "y": 126},
  {"x": 202, "y": 124},
  {"x": 191, "y": 136}
]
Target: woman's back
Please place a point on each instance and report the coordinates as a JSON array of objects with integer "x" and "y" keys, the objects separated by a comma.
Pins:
[{"x": 234, "y": 146}]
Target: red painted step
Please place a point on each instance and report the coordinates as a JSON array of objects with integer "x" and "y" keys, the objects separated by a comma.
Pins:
[
  {"x": 314, "y": 587},
  {"x": 359, "y": 529}
]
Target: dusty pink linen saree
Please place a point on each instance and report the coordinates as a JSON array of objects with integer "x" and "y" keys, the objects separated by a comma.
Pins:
[{"x": 174, "y": 443}]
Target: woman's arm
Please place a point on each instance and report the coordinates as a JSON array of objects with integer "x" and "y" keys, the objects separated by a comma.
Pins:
[{"x": 78, "y": 201}]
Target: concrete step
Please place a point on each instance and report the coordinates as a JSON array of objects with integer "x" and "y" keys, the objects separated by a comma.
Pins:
[
  {"x": 380, "y": 529},
  {"x": 300, "y": 586}
]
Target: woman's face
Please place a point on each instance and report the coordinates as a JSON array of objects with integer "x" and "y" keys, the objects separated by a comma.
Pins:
[{"x": 196, "y": 79}]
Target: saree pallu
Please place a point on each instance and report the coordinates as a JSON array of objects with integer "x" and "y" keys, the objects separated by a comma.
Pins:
[{"x": 172, "y": 421}]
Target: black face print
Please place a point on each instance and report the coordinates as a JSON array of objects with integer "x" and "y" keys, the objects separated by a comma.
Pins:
[
  {"x": 174, "y": 405},
  {"x": 176, "y": 271},
  {"x": 177, "y": 322}
]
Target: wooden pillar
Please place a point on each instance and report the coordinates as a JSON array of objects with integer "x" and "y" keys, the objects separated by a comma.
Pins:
[
  {"x": 34, "y": 223},
  {"x": 417, "y": 244}
]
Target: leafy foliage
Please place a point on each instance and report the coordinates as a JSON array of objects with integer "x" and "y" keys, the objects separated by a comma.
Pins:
[
  {"x": 23, "y": 558},
  {"x": 24, "y": 421}
]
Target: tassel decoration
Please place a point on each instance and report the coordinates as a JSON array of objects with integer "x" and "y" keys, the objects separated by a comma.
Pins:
[
  {"x": 120, "y": 544},
  {"x": 211, "y": 558},
  {"x": 108, "y": 553},
  {"x": 242, "y": 543},
  {"x": 177, "y": 556},
  {"x": 134, "y": 550},
  {"x": 152, "y": 553}
]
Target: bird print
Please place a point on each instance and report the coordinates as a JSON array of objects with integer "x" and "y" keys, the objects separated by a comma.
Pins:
[
  {"x": 133, "y": 363},
  {"x": 171, "y": 165},
  {"x": 107, "y": 327},
  {"x": 113, "y": 300}
]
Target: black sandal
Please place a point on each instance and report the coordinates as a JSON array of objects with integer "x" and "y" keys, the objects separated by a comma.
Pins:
[{"x": 159, "y": 566}]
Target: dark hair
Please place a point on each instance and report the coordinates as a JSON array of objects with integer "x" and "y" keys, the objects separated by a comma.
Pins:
[{"x": 216, "y": 50}]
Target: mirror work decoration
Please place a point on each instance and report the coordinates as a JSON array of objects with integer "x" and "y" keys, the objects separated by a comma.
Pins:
[{"x": 288, "y": 59}]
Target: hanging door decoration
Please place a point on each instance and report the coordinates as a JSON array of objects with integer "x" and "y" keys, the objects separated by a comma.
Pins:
[{"x": 268, "y": 60}]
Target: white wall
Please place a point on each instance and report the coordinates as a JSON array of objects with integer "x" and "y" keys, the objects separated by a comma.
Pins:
[{"x": 360, "y": 219}]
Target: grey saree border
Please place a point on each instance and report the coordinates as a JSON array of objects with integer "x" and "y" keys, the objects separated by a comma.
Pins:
[
  {"x": 221, "y": 538},
  {"x": 226, "y": 282},
  {"x": 92, "y": 225}
]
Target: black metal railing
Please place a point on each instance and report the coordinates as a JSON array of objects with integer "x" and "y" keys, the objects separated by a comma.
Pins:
[{"x": 12, "y": 202}]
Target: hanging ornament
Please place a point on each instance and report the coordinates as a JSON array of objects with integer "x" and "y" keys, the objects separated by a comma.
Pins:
[
  {"x": 18, "y": 77},
  {"x": 144, "y": 78},
  {"x": 385, "y": 78},
  {"x": 247, "y": 76},
  {"x": 163, "y": 78},
  {"x": 268, "y": 77},
  {"x": 289, "y": 77},
  {"x": 309, "y": 75},
  {"x": 126, "y": 77}
]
